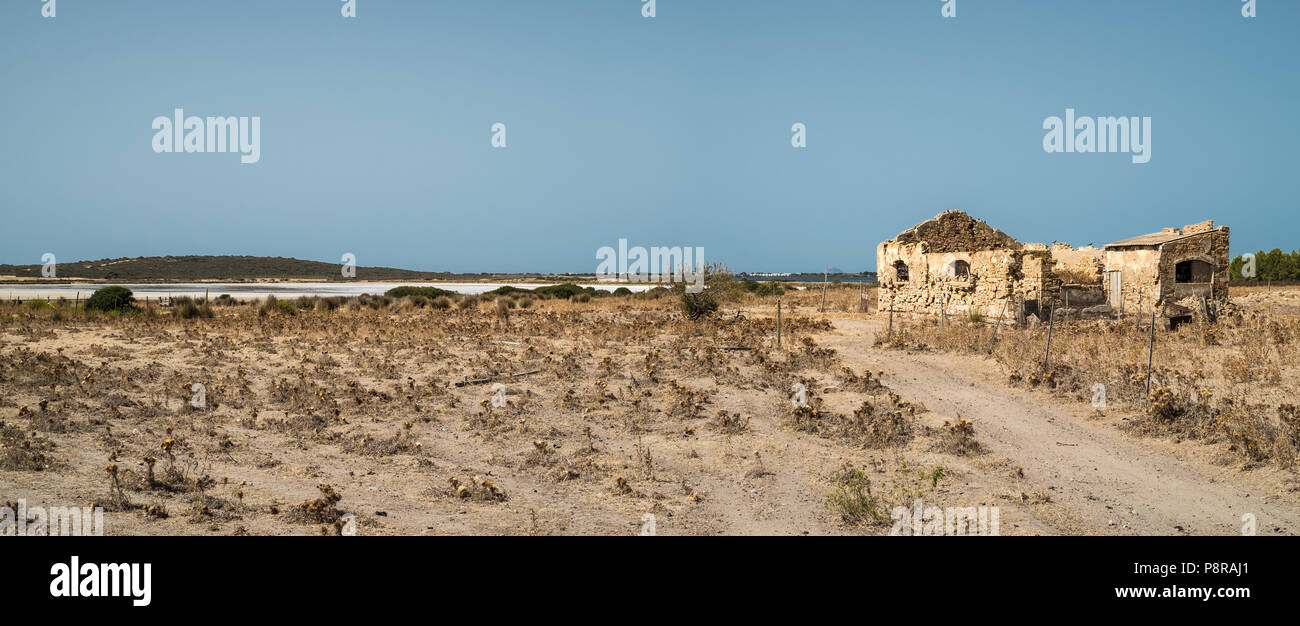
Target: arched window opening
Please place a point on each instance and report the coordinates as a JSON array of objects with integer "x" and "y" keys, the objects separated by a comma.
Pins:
[
  {"x": 900, "y": 271},
  {"x": 961, "y": 269}
]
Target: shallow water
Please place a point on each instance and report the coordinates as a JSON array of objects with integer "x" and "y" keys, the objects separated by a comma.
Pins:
[{"x": 257, "y": 290}]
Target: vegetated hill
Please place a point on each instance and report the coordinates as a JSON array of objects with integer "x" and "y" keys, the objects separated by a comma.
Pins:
[{"x": 215, "y": 268}]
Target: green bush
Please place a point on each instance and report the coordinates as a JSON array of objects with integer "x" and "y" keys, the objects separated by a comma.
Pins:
[
  {"x": 186, "y": 308},
  {"x": 562, "y": 291},
  {"x": 507, "y": 290},
  {"x": 854, "y": 502},
  {"x": 762, "y": 288},
  {"x": 622, "y": 291},
  {"x": 428, "y": 292},
  {"x": 273, "y": 304},
  {"x": 113, "y": 298}
]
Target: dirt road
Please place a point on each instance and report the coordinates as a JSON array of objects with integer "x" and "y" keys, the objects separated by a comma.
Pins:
[{"x": 1113, "y": 482}]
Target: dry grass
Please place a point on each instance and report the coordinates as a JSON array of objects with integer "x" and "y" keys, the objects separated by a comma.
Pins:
[
  {"x": 611, "y": 405},
  {"x": 1224, "y": 382}
]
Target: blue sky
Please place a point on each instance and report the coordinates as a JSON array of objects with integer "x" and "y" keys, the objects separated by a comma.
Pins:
[{"x": 666, "y": 131}]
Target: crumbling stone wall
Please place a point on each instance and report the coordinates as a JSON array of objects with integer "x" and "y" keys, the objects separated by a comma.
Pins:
[
  {"x": 955, "y": 231},
  {"x": 1139, "y": 277},
  {"x": 1210, "y": 246},
  {"x": 996, "y": 277},
  {"x": 1002, "y": 271},
  {"x": 1148, "y": 272},
  {"x": 1036, "y": 275},
  {"x": 1078, "y": 266}
]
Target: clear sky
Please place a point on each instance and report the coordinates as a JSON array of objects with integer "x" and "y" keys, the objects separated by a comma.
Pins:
[{"x": 667, "y": 131}]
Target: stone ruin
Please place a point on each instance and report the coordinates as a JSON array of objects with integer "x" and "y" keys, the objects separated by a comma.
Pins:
[{"x": 954, "y": 264}]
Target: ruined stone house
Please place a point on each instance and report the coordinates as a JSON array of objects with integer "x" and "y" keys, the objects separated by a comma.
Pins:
[
  {"x": 959, "y": 265},
  {"x": 1171, "y": 265}
]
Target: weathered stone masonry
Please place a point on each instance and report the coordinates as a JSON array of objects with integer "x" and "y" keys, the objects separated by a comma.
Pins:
[{"x": 960, "y": 265}]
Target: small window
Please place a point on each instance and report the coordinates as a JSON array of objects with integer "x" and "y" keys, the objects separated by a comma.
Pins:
[
  {"x": 900, "y": 271},
  {"x": 961, "y": 269},
  {"x": 1192, "y": 272}
]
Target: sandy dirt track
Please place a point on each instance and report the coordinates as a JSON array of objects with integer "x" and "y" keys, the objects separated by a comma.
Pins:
[{"x": 1114, "y": 483}]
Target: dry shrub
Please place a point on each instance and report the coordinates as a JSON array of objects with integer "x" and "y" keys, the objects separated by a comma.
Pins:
[
  {"x": 729, "y": 423},
  {"x": 19, "y": 452},
  {"x": 322, "y": 510},
  {"x": 882, "y": 420},
  {"x": 479, "y": 489},
  {"x": 957, "y": 438},
  {"x": 878, "y": 427},
  {"x": 401, "y": 443}
]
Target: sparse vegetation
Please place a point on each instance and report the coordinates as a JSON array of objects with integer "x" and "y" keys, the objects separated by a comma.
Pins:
[{"x": 620, "y": 403}]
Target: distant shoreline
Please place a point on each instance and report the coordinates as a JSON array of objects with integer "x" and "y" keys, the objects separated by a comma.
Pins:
[{"x": 280, "y": 289}]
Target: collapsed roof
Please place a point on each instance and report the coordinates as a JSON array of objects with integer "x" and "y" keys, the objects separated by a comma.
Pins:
[{"x": 955, "y": 231}]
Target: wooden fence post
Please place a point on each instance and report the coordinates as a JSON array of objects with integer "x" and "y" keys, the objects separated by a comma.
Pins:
[
  {"x": 999, "y": 324},
  {"x": 1047, "y": 355},
  {"x": 1151, "y": 349},
  {"x": 890, "y": 335},
  {"x": 825, "y": 279},
  {"x": 778, "y": 321}
]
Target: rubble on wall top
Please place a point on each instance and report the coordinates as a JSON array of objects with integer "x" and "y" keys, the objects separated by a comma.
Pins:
[{"x": 955, "y": 231}]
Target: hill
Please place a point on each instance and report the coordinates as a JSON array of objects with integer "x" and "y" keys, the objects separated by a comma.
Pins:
[{"x": 233, "y": 268}]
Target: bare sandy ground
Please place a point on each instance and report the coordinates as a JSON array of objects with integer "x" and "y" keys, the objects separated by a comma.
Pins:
[{"x": 364, "y": 402}]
